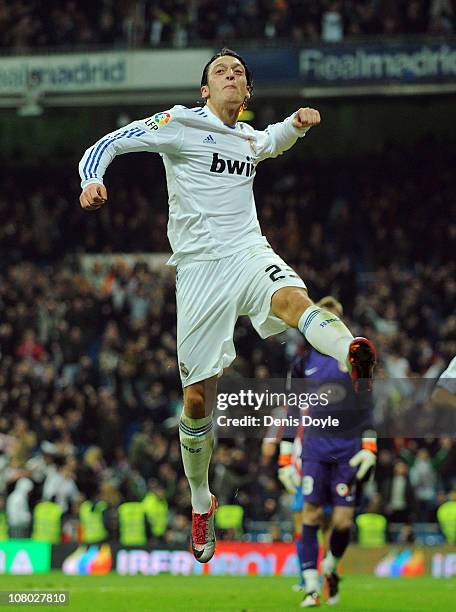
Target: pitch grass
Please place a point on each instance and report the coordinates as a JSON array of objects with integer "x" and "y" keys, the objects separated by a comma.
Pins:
[{"x": 115, "y": 593}]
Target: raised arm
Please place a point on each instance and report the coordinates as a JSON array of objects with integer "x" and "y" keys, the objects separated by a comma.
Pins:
[
  {"x": 161, "y": 133},
  {"x": 279, "y": 137}
]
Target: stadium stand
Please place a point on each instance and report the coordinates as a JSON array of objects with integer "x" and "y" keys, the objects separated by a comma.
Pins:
[
  {"x": 89, "y": 385},
  {"x": 31, "y": 24}
]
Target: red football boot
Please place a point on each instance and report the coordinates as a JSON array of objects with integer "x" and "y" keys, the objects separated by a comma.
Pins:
[
  {"x": 362, "y": 357},
  {"x": 203, "y": 533}
]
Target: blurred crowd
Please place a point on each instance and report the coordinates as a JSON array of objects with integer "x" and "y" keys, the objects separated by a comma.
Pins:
[
  {"x": 27, "y": 24},
  {"x": 89, "y": 388}
]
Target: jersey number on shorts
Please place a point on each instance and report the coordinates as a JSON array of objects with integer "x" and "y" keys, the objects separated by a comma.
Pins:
[
  {"x": 307, "y": 485},
  {"x": 275, "y": 270}
]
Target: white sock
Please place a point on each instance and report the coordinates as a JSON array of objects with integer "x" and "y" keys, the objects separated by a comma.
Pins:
[
  {"x": 326, "y": 333},
  {"x": 197, "y": 441},
  {"x": 330, "y": 563},
  {"x": 311, "y": 580}
]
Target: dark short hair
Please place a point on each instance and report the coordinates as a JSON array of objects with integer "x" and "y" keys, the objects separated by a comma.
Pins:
[{"x": 221, "y": 53}]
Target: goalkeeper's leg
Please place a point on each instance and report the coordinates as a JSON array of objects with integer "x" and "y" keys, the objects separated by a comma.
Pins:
[
  {"x": 197, "y": 441},
  {"x": 342, "y": 520},
  {"x": 297, "y": 521},
  {"x": 311, "y": 521}
]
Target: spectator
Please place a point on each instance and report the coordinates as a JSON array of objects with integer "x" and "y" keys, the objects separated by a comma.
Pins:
[
  {"x": 18, "y": 512},
  {"x": 30, "y": 348},
  {"x": 332, "y": 27},
  {"x": 424, "y": 480},
  {"x": 42, "y": 463},
  {"x": 24, "y": 441},
  {"x": 446, "y": 469},
  {"x": 441, "y": 15},
  {"x": 398, "y": 495},
  {"x": 61, "y": 487}
]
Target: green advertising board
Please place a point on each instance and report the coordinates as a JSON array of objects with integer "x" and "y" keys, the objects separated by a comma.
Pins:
[{"x": 24, "y": 557}]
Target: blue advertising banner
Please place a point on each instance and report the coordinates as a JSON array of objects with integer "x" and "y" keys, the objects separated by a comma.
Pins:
[
  {"x": 272, "y": 65},
  {"x": 363, "y": 63}
]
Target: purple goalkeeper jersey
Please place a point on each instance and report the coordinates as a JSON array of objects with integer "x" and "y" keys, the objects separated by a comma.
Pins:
[{"x": 315, "y": 366}]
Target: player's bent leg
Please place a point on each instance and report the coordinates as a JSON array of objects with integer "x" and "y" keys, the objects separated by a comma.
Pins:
[
  {"x": 338, "y": 543},
  {"x": 288, "y": 303},
  {"x": 321, "y": 328},
  {"x": 312, "y": 515},
  {"x": 326, "y": 333},
  {"x": 197, "y": 441}
]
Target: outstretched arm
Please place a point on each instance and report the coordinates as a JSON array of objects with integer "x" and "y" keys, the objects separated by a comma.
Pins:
[
  {"x": 280, "y": 137},
  {"x": 159, "y": 133}
]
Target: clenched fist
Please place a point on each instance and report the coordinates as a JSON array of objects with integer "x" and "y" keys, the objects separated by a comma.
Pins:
[
  {"x": 306, "y": 118},
  {"x": 93, "y": 196}
]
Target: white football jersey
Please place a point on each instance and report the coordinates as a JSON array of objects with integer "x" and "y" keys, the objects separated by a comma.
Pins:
[{"x": 210, "y": 169}]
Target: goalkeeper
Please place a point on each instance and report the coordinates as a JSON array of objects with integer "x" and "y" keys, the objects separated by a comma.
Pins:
[{"x": 330, "y": 472}]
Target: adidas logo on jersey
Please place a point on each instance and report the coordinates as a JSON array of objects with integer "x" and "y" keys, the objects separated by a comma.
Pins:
[
  {"x": 209, "y": 139},
  {"x": 235, "y": 166}
]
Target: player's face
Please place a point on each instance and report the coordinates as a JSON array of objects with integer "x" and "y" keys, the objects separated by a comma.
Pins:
[{"x": 227, "y": 82}]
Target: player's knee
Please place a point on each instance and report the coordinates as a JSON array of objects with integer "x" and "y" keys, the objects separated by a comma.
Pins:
[
  {"x": 342, "y": 523},
  {"x": 289, "y": 303},
  {"x": 312, "y": 515},
  {"x": 194, "y": 401}
]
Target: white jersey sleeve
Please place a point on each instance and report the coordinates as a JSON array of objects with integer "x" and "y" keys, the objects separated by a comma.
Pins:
[
  {"x": 447, "y": 379},
  {"x": 278, "y": 138},
  {"x": 160, "y": 133}
]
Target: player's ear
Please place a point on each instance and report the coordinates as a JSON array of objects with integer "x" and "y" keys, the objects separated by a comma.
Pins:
[{"x": 205, "y": 92}]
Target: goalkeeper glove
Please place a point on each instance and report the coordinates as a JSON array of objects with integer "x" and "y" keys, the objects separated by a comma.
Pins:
[
  {"x": 288, "y": 473},
  {"x": 366, "y": 458}
]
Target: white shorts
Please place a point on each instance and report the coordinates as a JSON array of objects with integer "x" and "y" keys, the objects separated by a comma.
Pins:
[{"x": 211, "y": 295}]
